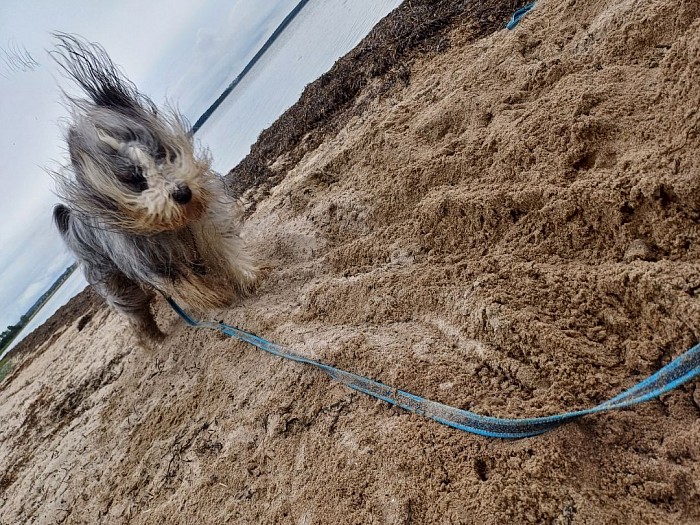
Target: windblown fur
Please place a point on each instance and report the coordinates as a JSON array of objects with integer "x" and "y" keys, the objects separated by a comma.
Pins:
[{"x": 143, "y": 210}]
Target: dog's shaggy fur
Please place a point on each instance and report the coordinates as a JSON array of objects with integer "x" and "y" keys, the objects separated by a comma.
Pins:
[{"x": 143, "y": 210}]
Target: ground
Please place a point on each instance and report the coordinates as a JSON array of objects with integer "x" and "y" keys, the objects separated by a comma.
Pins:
[{"x": 505, "y": 221}]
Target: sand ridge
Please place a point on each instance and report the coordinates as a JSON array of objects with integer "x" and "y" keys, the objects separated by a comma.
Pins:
[{"x": 515, "y": 232}]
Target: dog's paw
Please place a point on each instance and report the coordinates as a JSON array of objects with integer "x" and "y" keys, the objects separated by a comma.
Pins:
[
  {"x": 149, "y": 337},
  {"x": 254, "y": 277}
]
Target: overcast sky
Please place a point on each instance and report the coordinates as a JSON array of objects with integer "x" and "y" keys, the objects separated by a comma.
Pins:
[{"x": 184, "y": 50}]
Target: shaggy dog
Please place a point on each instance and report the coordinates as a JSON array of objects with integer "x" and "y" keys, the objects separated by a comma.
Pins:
[{"x": 143, "y": 211}]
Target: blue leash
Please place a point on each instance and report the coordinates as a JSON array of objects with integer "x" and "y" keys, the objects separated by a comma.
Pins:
[
  {"x": 681, "y": 370},
  {"x": 519, "y": 14}
]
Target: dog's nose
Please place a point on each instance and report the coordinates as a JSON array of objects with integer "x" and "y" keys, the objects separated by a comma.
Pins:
[{"x": 182, "y": 195}]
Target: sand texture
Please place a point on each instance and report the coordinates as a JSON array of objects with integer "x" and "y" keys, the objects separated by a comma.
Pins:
[{"x": 505, "y": 221}]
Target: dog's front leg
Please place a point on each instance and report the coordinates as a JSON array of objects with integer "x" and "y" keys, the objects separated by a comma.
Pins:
[{"x": 130, "y": 299}]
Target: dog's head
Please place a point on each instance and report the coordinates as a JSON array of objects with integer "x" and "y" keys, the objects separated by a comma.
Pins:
[{"x": 132, "y": 166}]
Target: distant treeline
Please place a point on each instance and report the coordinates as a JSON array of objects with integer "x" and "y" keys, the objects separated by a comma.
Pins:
[
  {"x": 277, "y": 32},
  {"x": 11, "y": 331}
]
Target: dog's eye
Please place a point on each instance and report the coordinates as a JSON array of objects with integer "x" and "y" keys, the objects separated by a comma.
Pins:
[
  {"x": 161, "y": 154},
  {"x": 134, "y": 179}
]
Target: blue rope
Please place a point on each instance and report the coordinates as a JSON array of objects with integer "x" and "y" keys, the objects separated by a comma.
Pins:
[
  {"x": 679, "y": 371},
  {"x": 517, "y": 16}
]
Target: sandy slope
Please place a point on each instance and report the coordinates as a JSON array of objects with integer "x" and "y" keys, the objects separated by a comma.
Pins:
[{"x": 514, "y": 232}]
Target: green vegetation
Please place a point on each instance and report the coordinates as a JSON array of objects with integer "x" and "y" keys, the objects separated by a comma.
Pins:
[{"x": 6, "y": 366}]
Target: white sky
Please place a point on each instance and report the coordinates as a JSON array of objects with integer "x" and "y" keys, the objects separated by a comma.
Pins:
[{"x": 184, "y": 50}]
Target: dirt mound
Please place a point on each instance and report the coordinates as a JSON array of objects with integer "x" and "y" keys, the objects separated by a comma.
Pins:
[
  {"x": 515, "y": 232},
  {"x": 369, "y": 71}
]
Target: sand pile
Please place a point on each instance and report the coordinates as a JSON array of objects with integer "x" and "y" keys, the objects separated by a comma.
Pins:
[{"x": 514, "y": 231}]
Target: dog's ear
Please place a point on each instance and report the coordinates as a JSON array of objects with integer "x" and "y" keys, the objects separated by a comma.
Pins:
[
  {"x": 61, "y": 216},
  {"x": 72, "y": 141},
  {"x": 89, "y": 65}
]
